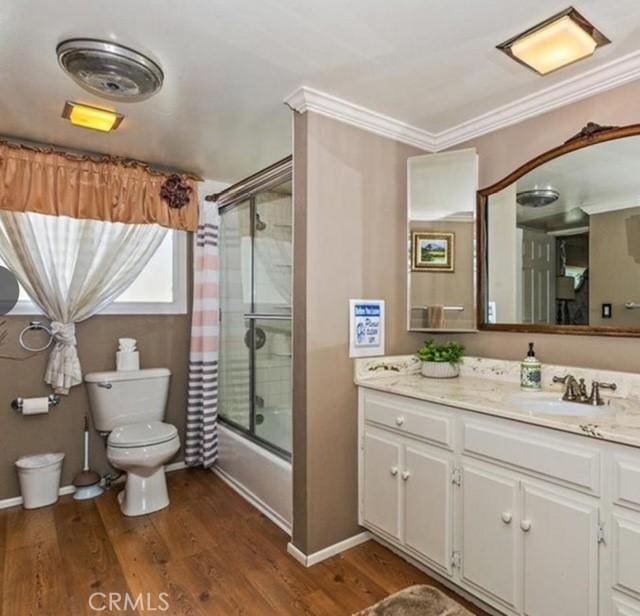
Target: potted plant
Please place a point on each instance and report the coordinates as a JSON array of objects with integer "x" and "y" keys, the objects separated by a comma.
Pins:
[{"x": 441, "y": 361}]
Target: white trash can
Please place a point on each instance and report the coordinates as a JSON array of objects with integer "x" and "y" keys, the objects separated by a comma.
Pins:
[{"x": 39, "y": 478}]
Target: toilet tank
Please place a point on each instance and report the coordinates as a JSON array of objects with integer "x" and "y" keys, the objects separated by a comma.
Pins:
[{"x": 126, "y": 397}]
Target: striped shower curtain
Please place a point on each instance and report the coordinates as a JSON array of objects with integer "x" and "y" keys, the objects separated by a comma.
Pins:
[{"x": 201, "y": 448}]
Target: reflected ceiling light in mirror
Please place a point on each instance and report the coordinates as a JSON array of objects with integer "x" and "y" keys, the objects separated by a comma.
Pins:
[
  {"x": 554, "y": 43},
  {"x": 537, "y": 197}
]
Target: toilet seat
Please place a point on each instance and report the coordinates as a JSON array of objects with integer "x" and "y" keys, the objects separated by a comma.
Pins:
[{"x": 142, "y": 434}]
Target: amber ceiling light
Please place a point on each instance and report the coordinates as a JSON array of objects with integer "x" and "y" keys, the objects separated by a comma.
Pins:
[
  {"x": 558, "y": 41},
  {"x": 103, "y": 120}
]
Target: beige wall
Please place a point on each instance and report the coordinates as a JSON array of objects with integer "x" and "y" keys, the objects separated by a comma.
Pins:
[
  {"x": 350, "y": 241},
  {"x": 447, "y": 288},
  {"x": 614, "y": 275},
  {"x": 163, "y": 341}
]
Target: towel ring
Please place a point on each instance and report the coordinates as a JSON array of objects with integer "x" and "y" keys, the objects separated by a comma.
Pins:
[{"x": 35, "y": 325}]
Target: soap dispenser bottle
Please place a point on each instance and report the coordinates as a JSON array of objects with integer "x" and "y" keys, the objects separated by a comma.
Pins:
[{"x": 531, "y": 371}]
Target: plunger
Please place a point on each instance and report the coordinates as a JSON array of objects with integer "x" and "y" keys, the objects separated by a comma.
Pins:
[{"x": 87, "y": 482}]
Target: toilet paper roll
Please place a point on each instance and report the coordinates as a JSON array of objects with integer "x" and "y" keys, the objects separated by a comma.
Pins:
[
  {"x": 35, "y": 406},
  {"x": 127, "y": 360}
]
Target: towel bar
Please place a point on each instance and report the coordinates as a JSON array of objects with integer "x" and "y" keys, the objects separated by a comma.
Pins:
[
  {"x": 446, "y": 308},
  {"x": 35, "y": 325}
]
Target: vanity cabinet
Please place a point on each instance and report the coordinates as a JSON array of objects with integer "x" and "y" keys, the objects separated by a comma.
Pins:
[
  {"x": 559, "y": 553},
  {"x": 406, "y": 495},
  {"x": 381, "y": 505},
  {"x": 428, "y": 528},
  {"x": 625, "y": 543},
  {"x": 530, "y": 520},
  {"x": 489, "y": 538}
]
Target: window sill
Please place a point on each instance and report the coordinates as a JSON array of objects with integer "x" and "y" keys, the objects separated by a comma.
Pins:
[{"x": 119, "y": 308}]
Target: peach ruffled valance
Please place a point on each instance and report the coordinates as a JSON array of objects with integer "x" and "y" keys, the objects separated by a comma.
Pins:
[{"x": 48, "y": 181}]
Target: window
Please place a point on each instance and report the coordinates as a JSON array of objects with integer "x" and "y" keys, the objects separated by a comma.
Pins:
[{"x": 161, "y": 288}]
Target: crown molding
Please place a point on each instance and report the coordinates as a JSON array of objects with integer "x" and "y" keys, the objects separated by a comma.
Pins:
[
  {"x": 307, "y": 99},
  {"x": 594, "y": 81}
]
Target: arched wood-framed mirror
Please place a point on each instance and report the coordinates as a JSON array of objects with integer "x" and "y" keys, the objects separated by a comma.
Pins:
[{"x": 559, "y": 239}]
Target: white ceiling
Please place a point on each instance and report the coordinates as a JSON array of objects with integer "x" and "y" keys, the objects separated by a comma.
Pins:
[
  {"x": 228, "y": 66},
  {"x": 602, "y": 177}
]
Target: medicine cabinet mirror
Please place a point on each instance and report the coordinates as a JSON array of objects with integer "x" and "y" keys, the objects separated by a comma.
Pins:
[{"x": 440, "y": 241}]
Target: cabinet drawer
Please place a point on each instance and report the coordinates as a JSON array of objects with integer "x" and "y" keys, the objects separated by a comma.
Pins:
[
  {"x": 626, "y": 481},
  {"x": 421, "y": 419},
  {"x": 532, "y": 450}
]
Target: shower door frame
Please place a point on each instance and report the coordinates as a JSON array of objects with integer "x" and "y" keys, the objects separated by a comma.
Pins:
[{"x": 235, "y": 196}]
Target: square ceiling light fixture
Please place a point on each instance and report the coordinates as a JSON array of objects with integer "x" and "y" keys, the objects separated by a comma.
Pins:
[
  {"x": 558, "y": 41},
  {"x": 91, "y": 117}
]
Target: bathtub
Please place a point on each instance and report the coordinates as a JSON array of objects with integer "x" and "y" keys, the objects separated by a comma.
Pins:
[{"x": 259, "y": 475}]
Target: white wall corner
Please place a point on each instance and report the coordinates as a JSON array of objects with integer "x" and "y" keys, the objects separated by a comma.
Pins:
[
  {"x": 308, "y": 560},
  {"x": 594, "y": 81},
  {"x": 307, "y": 99}
]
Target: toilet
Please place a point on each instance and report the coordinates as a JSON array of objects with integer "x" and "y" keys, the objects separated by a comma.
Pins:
[{"x": 129, "y": 406}]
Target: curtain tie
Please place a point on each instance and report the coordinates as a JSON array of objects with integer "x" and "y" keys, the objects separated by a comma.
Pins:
[{"x": 64, "y": 333}]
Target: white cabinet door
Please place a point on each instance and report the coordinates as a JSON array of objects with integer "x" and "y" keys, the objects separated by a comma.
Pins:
[
  {"x": 381, "y": 479},
  {"x": 625, "y": 552},
  {"x": 428, "y": 516},
  {"x": 560, "y": 549},
  {"x": 623, "y": 606},
  {"x": 490, "y": 557}
]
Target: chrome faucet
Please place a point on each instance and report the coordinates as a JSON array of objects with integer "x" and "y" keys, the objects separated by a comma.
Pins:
[
  {"x": 572, "y": 387},
  {"x": 596, "y": 386},
  {"x": 576, "y": 390}
]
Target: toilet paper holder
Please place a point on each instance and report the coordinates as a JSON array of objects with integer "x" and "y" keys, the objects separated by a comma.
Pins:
[{"x": 17, "y": 403}]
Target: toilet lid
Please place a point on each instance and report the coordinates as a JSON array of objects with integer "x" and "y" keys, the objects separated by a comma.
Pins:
[{"x": 141, "y": 434}]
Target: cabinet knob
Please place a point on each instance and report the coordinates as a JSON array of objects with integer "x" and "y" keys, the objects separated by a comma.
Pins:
[
  {"x": 399, "y": 421},
  {"x": 405, "y": 475},
  {"x": 525, "y": 525},
  {"x": 393, "y": 470},
  {"x": 506, "y": 517}
]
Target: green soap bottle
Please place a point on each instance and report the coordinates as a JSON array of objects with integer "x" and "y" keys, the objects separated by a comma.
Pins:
[{"x": 531, "y": 371}]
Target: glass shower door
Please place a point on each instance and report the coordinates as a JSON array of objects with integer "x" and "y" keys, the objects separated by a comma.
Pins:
[
  {"x": 273, "y": 305},
  {"x": 235, "y": 301},
  {"x": 256, "y": 307}
]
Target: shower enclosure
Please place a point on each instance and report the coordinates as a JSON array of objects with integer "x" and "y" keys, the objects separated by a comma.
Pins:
[{"x": 256, "y": 309}]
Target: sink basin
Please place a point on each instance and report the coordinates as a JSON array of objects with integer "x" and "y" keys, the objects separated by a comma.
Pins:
[{"x": 550, "y": 403}]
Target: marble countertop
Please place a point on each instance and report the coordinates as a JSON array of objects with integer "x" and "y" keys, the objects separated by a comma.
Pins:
[{"x": 486, "y": 386}]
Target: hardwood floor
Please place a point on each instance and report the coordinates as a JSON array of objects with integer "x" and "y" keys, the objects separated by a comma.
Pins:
[{"x": 210, "y": 551}]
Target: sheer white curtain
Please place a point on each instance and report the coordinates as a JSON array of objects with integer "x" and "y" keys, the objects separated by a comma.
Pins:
[{"x": 73, "y": 268}]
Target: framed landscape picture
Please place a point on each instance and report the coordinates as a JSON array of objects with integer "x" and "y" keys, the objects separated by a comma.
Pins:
[{"x": 432, "y": 252}]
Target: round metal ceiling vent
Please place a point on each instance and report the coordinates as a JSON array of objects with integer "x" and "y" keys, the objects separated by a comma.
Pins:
[
  {"x": 538, "y": 197},
  {"x": 110, "y": 70}
]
